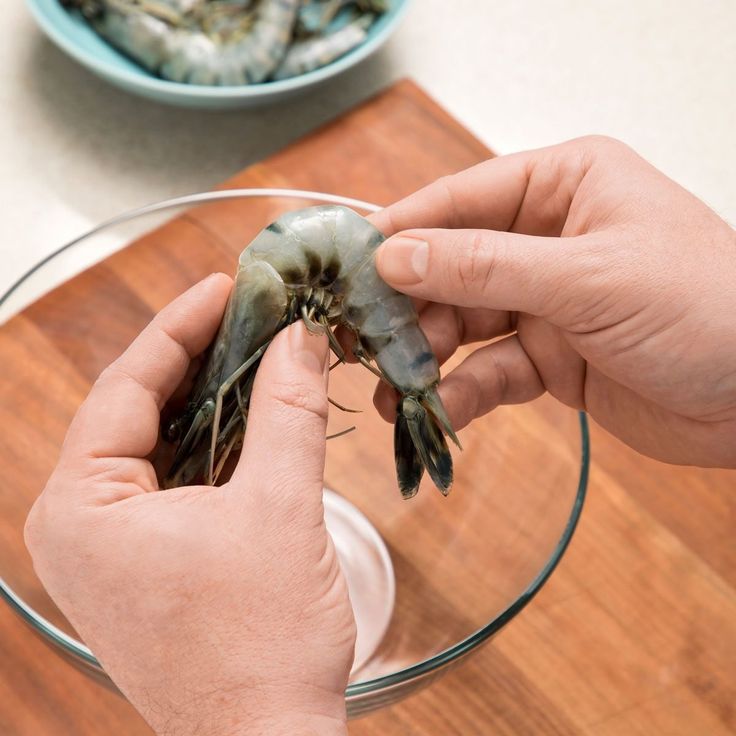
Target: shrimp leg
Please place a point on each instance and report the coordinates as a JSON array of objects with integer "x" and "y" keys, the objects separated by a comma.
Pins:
[
  {"x": 360, "y": 355},
  {"x": 334, "y": 344},
  {"x": 224, "y": 388},
  {"x": 336, "y": 348},
  {"x": 344, "y": 408},
  {"x": 225, "y": 455},
  {"x": 200, "y": 422},
  {"x": 314, "y": 327},
  {"x": 340, "y": 434}
]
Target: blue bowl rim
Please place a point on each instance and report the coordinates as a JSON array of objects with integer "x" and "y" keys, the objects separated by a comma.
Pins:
[{"x": 145, "y": 80}]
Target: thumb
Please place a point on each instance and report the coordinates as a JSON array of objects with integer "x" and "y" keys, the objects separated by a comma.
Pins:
[
  {"x": 487, "y": 268},
  {"x": 283, "y": 454}
]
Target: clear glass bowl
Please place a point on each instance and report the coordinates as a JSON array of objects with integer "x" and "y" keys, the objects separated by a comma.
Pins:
[{"x": 448, "y": 574}]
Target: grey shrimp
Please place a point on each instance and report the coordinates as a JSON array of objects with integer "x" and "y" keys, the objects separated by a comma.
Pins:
[
  {"x": 316, "y": 15},
  {"x": 315, "y": 264},
  {"x": 312, "y": 53},
  {"x": 166, "y": 36}
]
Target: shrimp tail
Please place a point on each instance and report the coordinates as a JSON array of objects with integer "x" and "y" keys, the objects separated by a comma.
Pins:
[
  {"x": 433, "y": 404},
  {"x": 419, "y": 443},
  {"x": 409, "y": 467}
]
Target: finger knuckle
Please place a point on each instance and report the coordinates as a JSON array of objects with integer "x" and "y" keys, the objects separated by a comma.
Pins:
[
  {"x": 116, "y": 374},
  {"x": 445, "y": 185},
  {"x": 301, "y": 397},
  {"x": 387, "y": 219},
  {"x": 32, "y": 531},
  {"x": 36, "y": 529},
  {"x": 474, "y": 268},
  {"x": 111, "y": 377},
  {"x": 605, "y": 148},
  {"x": 598, "y": 141}
]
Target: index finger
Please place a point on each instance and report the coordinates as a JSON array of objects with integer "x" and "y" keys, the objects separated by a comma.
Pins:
[
  {"x": 120, "y": 417},
  {"x": 529, "y": 192}
]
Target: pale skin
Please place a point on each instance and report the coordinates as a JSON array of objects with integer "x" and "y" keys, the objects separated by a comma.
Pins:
[
  {"x": 224, "y": 611},
  {"x": 614, "y": 287},
  {"x": 216, "y": 611}
]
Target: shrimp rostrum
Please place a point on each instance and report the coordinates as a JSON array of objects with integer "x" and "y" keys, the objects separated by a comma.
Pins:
[{"x": 315, "y": 264}]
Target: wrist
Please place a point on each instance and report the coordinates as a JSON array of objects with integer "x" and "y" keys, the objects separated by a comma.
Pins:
[
  {"x": 303, "y": 714},
  {"x": 228, "y": 724},
  {"x": 294, "y": 724},
  {"x": 256, "y": 716}
]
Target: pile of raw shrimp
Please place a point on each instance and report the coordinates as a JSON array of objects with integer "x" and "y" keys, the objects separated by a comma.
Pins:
[{"x": 231, "y": 42}]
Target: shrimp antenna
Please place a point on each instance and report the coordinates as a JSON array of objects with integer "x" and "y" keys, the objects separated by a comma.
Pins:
[
  {"x": 340, "y": 434},
  {"x": 344, "y": 408},
  {"x": 334, "y": 344}
]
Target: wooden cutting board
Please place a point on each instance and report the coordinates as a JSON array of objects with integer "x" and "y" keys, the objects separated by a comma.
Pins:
[{"x": 634, "y": 634}]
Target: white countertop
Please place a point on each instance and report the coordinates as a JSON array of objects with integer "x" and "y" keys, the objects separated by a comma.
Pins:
[{"x": 660, "y": 75}]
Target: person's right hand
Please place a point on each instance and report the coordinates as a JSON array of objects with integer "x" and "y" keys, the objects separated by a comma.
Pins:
[{"x": 616, "y": 289}]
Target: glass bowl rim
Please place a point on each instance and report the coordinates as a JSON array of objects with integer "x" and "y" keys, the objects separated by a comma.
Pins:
[{"x": 82, "y": 653}]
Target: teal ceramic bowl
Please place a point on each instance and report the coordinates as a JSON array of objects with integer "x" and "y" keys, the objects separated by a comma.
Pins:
[{"x": 75, "y": 37}]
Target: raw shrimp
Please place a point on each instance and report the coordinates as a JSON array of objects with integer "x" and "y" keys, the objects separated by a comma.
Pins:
[
  {"x": 166, "y": 36},
  {"x": 312, "y": 53},
  {"x": 315, "y": 264},
  {"x": 316, "y": 15}
]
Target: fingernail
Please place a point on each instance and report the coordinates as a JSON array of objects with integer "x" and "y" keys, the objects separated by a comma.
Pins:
[
  {"x": 403, "y": 261},
  {"x": 309, "y": 350}
]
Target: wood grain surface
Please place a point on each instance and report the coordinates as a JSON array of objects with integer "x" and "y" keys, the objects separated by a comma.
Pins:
[{"x": 635, "y": 633}]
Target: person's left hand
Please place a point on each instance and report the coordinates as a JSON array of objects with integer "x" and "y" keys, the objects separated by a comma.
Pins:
[{"x": 215, "y": 610}]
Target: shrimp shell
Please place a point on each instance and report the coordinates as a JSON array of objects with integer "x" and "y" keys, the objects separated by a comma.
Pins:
[
  {"x": 312, "y": 53},
  {"x": 162, "y": 37},
  {"x": 318, "y": 265}
]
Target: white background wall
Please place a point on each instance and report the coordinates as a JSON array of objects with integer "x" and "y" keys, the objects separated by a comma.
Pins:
[{"x": 660, "y": 74}]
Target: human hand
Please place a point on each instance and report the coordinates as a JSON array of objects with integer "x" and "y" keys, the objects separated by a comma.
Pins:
[
  {"x": 215, "y": 610},
  {"x": 615, "y": 288}
]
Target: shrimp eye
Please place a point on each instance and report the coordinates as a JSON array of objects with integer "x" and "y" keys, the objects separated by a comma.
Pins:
[{"x": 173, "y": 431}]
